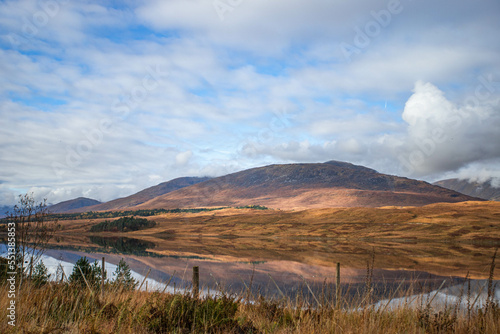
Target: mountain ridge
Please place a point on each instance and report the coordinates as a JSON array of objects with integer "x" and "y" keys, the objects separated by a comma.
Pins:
[
  {"x": 72, "y": 204},
  {"x": 146, "y": 194},
  {"x": 484, "y": 190},
  {"x": 307, "y": 185}
]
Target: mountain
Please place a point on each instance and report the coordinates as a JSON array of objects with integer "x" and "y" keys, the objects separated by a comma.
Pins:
[
  {"x": 146, "y": 194},
  {"x": 77, "y": 203},
  {"x": 314, "y": 185},
  {"x": 483, "y": 190},
  {"x": 5, "y": 210}
]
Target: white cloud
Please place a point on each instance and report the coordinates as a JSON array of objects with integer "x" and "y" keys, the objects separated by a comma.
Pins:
[
  {"x": 182, "y": 158},
  {"x": 444, "y": 136},
  {"x": 259, "y": 26},
  {"x": 440, "y": 136},
  {"x": 487, "y": 171}
]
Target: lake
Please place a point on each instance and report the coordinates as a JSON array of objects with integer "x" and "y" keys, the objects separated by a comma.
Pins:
[{"x": 295, "y": 268}]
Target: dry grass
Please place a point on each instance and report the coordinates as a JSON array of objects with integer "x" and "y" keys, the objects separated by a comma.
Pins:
[
  {"x": 61, "y": 308},
  {"x": 468, "y": 221},
  {"x": 444, "y": 239}
]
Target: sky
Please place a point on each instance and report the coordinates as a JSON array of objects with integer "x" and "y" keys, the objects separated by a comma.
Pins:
[{"x": 105, "y": 98}]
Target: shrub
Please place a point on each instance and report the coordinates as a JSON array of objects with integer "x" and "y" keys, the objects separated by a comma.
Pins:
[
  {"x": 4, "y": 269},
  {"x": 170, "y": 313}
]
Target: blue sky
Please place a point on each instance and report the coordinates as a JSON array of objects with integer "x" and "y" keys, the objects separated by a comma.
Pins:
[{"x": 104, "y": 98}]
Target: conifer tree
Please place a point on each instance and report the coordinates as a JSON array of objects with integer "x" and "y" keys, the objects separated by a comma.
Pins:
[
  {"x": 92, "y": 273},
  {"x": 40, "y": 274},
  {"x": 124, "y": 276}
]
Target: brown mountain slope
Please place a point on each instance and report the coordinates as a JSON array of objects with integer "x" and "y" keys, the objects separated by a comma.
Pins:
[
  {"x": 146, "y": 194},
  {"x": 483, "y": 190},
  {"x": 330, "y": 184},
  {"x": 77, "y": 203}
]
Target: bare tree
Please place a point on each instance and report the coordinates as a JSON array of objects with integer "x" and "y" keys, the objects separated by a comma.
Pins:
[{"x": 33, "y": 231}]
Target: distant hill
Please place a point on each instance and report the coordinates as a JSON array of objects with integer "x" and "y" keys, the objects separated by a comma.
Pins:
[
  {"x": 146, "y": 194},
  {"x": 5, "y": 209},
  {"x": 315, "y": 185},
  {"x": 77, "y": 203},
  {"x": 482, "y": 190}
]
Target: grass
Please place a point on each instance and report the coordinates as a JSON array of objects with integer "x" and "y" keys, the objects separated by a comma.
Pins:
[
  {"x": 65, "y": 308},
  {"x": 451, "y": 222},
  {"x": 60, "y": 308}
]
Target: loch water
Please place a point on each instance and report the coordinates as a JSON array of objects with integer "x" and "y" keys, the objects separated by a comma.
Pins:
[{"x": 305, "y": 270}]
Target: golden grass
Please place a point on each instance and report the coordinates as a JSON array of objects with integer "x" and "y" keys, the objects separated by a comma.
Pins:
[
  {"x": 61, "y": 308},
  {"x": 444, "y": 239},
  {"x": 468, "y": 221}
]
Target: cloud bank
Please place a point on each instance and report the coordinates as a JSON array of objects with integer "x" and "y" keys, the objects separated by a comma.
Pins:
[{"x": 102, "y": 99}]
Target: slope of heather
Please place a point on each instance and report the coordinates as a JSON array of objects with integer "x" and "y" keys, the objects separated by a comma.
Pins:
[
  {"x": 484, "y": 190},
  {"x": 72, "y": 204},
  {"x": 315, "y": 185},
  {"x": 146, "y": 194}
]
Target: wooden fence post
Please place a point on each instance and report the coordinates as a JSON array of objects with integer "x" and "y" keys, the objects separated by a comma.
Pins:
[
  {"x": 196, "y": 281},
  {"x": 337, "y": 292},
  {"x": 103, "y": 274},
  {"x": 85, "y": 280},
  {"x": 144, "y": 280}
]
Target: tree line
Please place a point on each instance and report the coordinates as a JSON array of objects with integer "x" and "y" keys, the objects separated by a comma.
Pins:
[{"x": 123, "y": 224}]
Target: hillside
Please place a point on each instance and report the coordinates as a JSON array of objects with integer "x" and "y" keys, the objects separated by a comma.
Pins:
[
  {"x": 146, "y": 194},
  {"x": 314, "y": 185},
  {"x": 483, "y": 190},
  {"x": 77, "y": 203},
  {"x": 5, "y": 210}
]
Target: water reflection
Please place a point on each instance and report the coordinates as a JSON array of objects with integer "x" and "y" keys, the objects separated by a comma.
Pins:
[
  {"x": 305, "y": 268},
  {"x": 123, "y": 245},
  {"x": 468, "y": 295}
]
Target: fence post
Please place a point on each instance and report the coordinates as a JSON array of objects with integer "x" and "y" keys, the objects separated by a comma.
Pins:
[
  {"x": 144, "y": 280},
  {"x": 196, "y": 281},
  {"x": 337, "y": 292},
  {"x": 103, "y": 274},
  {"x": 85, "y": 280},
  {"x": 63, "y": 275}
]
